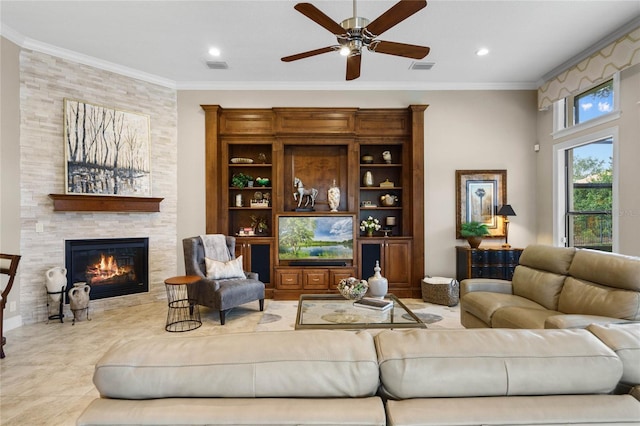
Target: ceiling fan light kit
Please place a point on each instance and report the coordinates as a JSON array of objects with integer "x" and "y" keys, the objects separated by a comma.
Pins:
[{"x": 356, "y": 32}]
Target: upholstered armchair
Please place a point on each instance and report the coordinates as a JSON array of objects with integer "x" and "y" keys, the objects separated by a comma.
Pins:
[{"x": 221, "y": 294}]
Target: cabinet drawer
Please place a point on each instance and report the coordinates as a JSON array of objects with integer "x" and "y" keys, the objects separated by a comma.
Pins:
[
  {"x": 288, "y": 280},
  {"x": 337, "y": 274},
  {"x": 315, "y": 279}
]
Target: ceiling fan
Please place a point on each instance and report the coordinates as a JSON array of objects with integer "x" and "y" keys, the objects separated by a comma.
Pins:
[{"x": 355, "y": 33}]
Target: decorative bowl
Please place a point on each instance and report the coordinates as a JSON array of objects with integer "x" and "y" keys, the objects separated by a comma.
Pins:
[
  {"x": 352, "y": 288},
  {"x": 240, "y": 160}
]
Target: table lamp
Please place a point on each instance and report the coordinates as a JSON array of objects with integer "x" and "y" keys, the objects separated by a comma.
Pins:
[{"x": 506, "y": 211}]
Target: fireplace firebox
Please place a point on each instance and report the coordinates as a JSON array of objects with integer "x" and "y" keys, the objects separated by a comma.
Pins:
[{"x": 111, "y": 266}]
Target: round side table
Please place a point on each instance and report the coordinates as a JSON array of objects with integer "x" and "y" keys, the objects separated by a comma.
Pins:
[{"x": 183, "y": 313}]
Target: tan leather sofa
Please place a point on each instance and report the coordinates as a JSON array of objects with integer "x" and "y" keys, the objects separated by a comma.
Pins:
[
  {"x": 399, "y": 378},
  {"x": 556, "y": 287}
]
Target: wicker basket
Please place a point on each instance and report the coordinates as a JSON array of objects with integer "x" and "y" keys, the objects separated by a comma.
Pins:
[{"x": 441, "y": 291}]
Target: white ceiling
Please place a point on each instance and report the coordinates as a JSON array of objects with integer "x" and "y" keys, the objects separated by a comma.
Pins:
[{"x": 167, "y": 41}]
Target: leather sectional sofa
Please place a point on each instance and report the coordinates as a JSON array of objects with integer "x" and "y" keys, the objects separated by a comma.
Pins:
[
  {"x": 399, "y": 378},
  {"x": 556, "y": 287}
]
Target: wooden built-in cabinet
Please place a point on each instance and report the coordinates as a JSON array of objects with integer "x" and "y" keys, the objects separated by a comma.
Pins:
[
  {"x": 320, "y": 146},
  {"x": 395, "y": 256}
]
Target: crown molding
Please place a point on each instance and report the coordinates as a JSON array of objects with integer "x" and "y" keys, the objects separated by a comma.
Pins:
[
  {"x": 620, "y": 32},
  {"x": 38, "y": 46},
  {"x": 350, "y": 86}
]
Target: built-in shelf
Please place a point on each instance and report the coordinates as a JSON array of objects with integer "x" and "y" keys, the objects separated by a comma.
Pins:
[{"x": 104, "y": 203}]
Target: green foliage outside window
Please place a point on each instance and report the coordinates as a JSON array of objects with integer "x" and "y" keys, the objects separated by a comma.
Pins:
[{"x": 593, "y": 196}]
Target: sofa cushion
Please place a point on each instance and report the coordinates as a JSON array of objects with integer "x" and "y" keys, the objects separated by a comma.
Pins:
[
  {"x": 242, "y": 365},
  {"x": 518, "y": 317},
  {"x": 515, "y": 410},
  {"x": 548, "y": 258},
  {"x": 609, "y": 269},
  {"x": 541, "y": 286},
  {"x": 578, "y": 321},
  {"x": 590, "y": 298},
  {"x": 235, "y": 411},
  {"x": 494, "y": 362},
  {"x": 484, "y": 304},
  {"x": 624, "y": 339}
]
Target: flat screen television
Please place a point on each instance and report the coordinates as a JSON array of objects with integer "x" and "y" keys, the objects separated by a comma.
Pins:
[{"x": 313, "y": 239}]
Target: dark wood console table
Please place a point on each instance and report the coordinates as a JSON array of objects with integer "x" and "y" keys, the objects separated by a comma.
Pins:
[{"x": 486, "y": 262}]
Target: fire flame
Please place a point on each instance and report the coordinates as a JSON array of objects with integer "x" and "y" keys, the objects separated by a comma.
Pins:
[{"x": 106, "y": 269}]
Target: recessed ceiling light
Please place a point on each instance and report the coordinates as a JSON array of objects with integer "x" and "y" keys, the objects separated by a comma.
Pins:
[
  {"x": 214, "y": 51},
  {"x": 482, "y": 51}
]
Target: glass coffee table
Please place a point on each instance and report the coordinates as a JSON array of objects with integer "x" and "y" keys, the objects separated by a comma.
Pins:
[{"x": 332, "y": 311}]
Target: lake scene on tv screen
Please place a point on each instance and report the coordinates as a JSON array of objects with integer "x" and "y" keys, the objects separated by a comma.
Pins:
[{"x": 315, "y": 237}]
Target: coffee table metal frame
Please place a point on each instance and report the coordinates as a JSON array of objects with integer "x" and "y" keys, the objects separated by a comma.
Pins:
[{"x": 397, "y": 311}]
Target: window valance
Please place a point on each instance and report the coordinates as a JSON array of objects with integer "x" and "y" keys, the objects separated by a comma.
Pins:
[{"x": 621, "y": 54}]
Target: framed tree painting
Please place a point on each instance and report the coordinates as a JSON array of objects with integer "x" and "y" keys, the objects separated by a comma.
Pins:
[
  {"x": 106, "y": 150},
  {"x": 479, "y": 194}
]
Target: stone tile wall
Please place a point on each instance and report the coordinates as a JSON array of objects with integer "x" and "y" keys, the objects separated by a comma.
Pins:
[{"x": 45, "y": 82}]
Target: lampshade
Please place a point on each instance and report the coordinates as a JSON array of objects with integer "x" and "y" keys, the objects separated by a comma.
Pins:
[{"x": 506, "y": 210}]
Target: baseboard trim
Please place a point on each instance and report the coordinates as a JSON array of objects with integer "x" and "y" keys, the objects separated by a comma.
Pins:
[{"x": 12, "y": 323}]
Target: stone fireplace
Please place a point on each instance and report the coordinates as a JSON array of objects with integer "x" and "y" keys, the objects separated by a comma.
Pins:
[{"x": 111, "y": 266}]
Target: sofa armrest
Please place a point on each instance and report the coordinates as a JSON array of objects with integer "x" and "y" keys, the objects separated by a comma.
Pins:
[
  {"x": 485, "y": 284},
  {"x": 579, "y": 321}
]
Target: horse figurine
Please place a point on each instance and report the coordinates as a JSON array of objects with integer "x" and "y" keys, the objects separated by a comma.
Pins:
[{"x": 311, "y": 194}]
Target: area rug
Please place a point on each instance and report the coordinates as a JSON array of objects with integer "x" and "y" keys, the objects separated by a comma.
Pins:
[{"x": 281, "y": 314}]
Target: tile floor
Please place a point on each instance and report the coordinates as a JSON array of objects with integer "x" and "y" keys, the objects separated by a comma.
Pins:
[{"x": 46, "y": 377}]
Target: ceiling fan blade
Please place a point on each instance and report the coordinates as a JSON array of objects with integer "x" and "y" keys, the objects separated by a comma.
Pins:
[
  {"x": 399, "y": 49},
  {"x": 353, "y": 66},
  {"x": 317, "y": 16},
  {"x": 396, "y": 14},
  {"x": 309, "y": 53}
]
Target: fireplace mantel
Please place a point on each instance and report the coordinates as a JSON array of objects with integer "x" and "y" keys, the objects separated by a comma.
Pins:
[{"x": 104, "y": 203}]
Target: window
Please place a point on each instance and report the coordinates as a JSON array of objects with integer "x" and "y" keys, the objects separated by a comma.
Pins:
[
  {"x": 585, "y": 186},
  {"x": 595, "y": 106},
  {"x": 593, "y": 103},
  {"x": 589, "y": 195}
]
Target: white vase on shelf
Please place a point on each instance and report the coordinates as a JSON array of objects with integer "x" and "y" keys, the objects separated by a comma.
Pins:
[
  {"x": 367, "y": 179},
  {"x": 333, "y": 197}
]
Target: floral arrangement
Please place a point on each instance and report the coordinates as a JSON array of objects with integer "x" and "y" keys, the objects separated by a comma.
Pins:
[
  {"x": 353, "y": 288},
  {"x": 370, "y": 224}
]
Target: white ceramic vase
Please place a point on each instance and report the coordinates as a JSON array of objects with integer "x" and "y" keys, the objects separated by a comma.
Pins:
[
  {"x": 79, "y": 299},
  {"x": 378, "y": 285},
  {"x": 367, "y": 179},
  {"x": 56, "y": 282},
  {"x": 333, "y": 197}
]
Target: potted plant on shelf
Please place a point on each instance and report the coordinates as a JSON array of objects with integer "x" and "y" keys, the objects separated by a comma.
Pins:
[
  {"x": 240, "y": 180},
  {"x": 369, "y": 225},
  {"x": 473, "y": 232},
  {"x": 259, "y": 224}
]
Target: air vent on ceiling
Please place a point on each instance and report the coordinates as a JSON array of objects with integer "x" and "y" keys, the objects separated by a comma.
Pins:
[
  {"x": 217, "y": 65},
  {"x": 422, "y": 66}
]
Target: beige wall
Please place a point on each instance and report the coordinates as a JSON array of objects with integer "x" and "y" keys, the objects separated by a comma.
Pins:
[
  {"x": 9, "y": 163},
  {"x": 628, "y": 125},
  {"x": 463, "y": 130}
]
